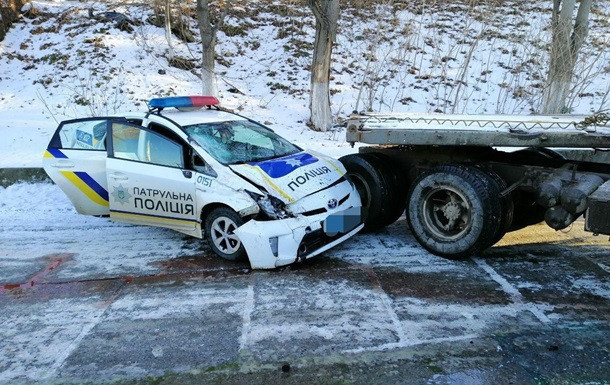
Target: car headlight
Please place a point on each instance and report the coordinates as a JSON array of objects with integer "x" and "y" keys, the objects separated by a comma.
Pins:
[{"x": 272, "y": 206}]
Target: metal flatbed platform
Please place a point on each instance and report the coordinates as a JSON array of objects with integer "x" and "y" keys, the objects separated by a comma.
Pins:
[{"x": 569, "y": 131}]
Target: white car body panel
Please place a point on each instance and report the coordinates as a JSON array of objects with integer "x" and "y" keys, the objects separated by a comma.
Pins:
[
  {"x": 81, "y": 174},
  {"x": 131, "y": 190},
  {"x": 255, "y": 235},
  {"x": 150, "y": 194},
  {"x": 293, "y": 182}
]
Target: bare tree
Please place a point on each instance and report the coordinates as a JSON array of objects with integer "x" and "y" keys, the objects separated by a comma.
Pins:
[
  {"x": 568, "y": 37},
  {"x": 326, "y": 13},
  {"x": 208, "y": 43},
  {"x": 168, "y": 28}
]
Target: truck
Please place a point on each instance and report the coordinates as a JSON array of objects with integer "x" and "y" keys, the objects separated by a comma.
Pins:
[{"x": 464, "y": 181}]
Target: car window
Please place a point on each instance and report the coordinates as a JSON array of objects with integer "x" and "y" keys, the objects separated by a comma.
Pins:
[
  {"x": 87, "y": 135},
  {"x": 239, "y": 141},
  {"x": 136, "y": 143}
]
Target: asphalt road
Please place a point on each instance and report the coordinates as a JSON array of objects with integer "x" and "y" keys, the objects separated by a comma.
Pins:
[{"x": 86, "y": 300}]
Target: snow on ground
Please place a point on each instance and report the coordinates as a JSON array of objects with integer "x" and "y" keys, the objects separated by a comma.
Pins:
[
  {"x": 424, "y": 56},
  {"x": 52, "y": 221}
]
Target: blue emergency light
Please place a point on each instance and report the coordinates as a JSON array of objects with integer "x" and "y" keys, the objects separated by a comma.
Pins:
[{"x": 183, "y": 102}]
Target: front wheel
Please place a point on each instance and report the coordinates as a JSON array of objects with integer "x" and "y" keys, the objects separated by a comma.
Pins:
[
  {"x": 454, "y": 211},
  {"x": 220, "y": 226}
]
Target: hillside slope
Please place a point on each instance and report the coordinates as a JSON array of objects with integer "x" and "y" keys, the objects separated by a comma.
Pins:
[{"x": 409, "y": 57}]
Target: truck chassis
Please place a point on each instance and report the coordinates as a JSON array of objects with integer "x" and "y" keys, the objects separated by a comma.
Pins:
[{"x": 465, "y": 181}]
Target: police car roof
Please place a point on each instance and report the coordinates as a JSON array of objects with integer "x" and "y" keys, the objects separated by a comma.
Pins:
[{"x": 187, "y": 118}]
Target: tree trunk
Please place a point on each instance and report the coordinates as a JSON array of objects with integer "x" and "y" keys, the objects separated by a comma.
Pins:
[
  {"x": 208, "y": 47},
  {"x": 567, "y": 40},
  {"x": 168, "y": 29},
  {"x": 327, "y": 14},
  {"x": 208, "y": 44},
  {"x": 208, "y": 74},
  {"x": 319, "y": 102}
]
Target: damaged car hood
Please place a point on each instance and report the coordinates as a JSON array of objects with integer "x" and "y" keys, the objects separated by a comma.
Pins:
[{"x": 292, "y": 177}]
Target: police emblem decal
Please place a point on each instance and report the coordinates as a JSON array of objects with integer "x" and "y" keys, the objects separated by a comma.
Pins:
[{"x": 121, "y": 194}]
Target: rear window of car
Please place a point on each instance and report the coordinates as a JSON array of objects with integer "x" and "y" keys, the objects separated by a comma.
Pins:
[{"x": 83, "y": 135}]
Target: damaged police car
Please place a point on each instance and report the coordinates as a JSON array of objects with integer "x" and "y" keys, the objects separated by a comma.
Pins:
[{"x": 205, "y": 171}]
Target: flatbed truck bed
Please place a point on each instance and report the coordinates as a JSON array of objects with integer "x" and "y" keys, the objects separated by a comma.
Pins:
[{"x": 466, "y": 180}]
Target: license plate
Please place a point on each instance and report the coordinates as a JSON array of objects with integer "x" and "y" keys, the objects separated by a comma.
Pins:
[{"x": 341, "y": 222}]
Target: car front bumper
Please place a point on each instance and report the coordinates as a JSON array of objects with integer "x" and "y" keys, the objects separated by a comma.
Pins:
[{"x": 270, "y": 244}]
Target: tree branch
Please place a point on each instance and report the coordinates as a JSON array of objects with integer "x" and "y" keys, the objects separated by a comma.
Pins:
[
  {"x": 222, "y": 17},
  {"x": 317, "y": 11}
]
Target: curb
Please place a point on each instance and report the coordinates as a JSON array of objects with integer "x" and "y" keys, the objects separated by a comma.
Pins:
[{"x": 9, "y": 176}]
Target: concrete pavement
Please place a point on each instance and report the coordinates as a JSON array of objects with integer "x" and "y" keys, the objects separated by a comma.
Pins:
[{"x": 86, "y": 300}]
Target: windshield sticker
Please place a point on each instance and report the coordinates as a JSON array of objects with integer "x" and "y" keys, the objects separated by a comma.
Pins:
[
  {"x": 277, "y": 168},
  {"x": 84, "y": 137}
]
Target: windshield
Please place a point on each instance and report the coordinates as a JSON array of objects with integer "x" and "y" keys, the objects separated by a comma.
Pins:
[{"x": 239, "y": 141}]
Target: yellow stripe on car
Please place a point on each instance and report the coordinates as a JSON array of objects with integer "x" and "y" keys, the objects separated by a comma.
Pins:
[
  {"x": 82, "y": 186},
  {"x": 152, "y": 218},
  {"x": 335, "y": 167}
]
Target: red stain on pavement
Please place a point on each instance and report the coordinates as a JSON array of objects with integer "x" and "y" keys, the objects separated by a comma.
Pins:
[
  {"x": 54, "y": 261},
  {"x": 178, "y": 269}
]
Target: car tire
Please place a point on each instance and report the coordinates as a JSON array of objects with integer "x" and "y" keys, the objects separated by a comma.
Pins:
[
  {"x": 220, "y": 224},
  {"x": 453, "y": 210},
  {"x": 365, "y": 172}
]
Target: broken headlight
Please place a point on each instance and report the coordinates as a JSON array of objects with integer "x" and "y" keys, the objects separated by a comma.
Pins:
[{"x": 270, "y": 205}]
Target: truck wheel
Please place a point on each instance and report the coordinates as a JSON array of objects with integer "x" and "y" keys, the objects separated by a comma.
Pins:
[
  {"x": 374, "y": 189},
  {"x": 220, "y": 225},
  {"x": 508, "y": 209},
  {"x": 454, "y": 210},
  {"x": 399, "y": 188}
]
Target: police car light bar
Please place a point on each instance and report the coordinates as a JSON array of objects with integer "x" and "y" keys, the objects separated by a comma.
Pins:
[{"x": 183, "y": 102}]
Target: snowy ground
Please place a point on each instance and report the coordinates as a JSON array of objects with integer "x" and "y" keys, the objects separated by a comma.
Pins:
[
  {"x": 86, "y": 299},
  {"x": 409, "y": 57}
]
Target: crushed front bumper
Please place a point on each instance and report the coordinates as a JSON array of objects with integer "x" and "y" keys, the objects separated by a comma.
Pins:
[{"x": 270, "y": 244}]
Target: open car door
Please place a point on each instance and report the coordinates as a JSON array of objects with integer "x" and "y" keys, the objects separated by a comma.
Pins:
[
  {"x": 76, "y": 161},
  {"x": 147, "y": 181}
]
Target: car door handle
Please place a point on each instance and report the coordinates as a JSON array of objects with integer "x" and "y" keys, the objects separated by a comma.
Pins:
[
  {"x": 118, "y": 176},
  {"x": 63, "y": 164}
]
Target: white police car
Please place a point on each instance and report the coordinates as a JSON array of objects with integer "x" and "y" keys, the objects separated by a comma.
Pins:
[{"x": 206, "y": 171}]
